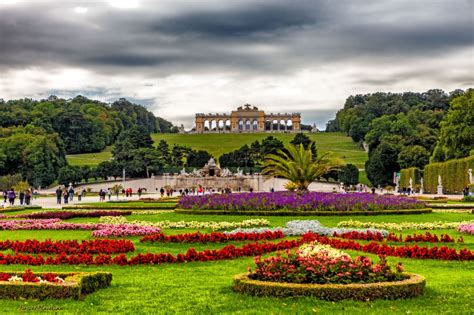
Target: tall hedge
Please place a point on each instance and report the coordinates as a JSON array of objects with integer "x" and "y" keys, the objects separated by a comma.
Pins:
[
  {"x": 454, "y": 176},
  {"x": 414, "y": 173}
]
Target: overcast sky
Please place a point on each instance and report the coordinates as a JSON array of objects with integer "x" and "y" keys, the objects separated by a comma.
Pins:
[{"x": 182, "y": 57}]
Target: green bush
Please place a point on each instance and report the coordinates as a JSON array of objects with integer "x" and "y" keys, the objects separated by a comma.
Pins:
[
  {"x": 454, "y": 176},
  {"x": 79, "y": 284},
  {"x": 302, "y": 213},
  {"x": 413, "y": 286},
  {"x": 468, "y": 198},
  {"x": 414, "y": 173}
]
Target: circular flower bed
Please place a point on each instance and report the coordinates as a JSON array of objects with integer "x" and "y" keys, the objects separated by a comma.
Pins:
[
  {"x": 410, "y": 287},
  {"x": 318, "y": 270}
]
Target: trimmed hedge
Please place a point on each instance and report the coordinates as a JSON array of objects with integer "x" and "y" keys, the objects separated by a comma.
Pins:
[
  {"x": 302, "y": 213},
  {"x": 454, "y": 176},
  {"x": 13, "y": 209},
  {"x": 451, "y": 206},
  {"x": 77, "y": 285},
  {"x": 130, "y": 207},
  {"x": 413, "y": 286},
  {"x": 414, "y": 173}
]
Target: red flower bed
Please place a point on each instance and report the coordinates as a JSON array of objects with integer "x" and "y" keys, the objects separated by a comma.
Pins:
[
  {"x": 444, "y": 253},
  {"x": 29, "y": 276},
  {"x": 427, "y": 237},
  {"x": 227, "y": 252},
  {"x": 64, "y": 215},
  {"x": 376, "y": 236},
  {"x": 366, "y": 236},
  {"x": 214, "y": 237},
  {"x": 322, "y": 269},
  {"x": 69, "y": 247}
]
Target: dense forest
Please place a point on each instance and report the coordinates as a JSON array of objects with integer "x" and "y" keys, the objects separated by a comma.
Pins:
[
  {"x": 84, "y": 125},
  {"x": 408, "y": 129},
  {"x": 35, "y": 135}
]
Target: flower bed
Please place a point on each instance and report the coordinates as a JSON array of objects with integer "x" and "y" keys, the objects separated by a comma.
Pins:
[
  {"x": 64, "y": 215},
  {"x": 69, "y": 247},
  {"x": 101, "y": 230},
  {"x": 51, "y": 285},
  {"x": 300, "y": 227},
  {"x": 227, "y": 252},
  {"x": 302, "y": 202},
  {"x": 212, "y": 225},
  {"x": 371, "y": 236},
  {"x": 404, "y": 225},
  {"x": 415, "y": 251},
  {"x": 466, "y": 228},
  {"x": 121, "y": 230},
  {"x": 302, "y": 213},
  {"x": 214, "y": 237},
  {"x": 410, "y": 287}
]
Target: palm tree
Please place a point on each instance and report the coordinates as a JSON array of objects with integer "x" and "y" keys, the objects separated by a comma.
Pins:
[{"x": 298, "y": 165}]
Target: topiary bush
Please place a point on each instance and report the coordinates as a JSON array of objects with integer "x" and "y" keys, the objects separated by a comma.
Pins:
[
  {"x": 76, "y": 285},
  {"x": 410, "y": 287}
]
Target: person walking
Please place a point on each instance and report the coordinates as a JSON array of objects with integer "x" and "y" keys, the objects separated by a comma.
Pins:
[
  {"x": 109, "y": 193},
  {"x": 66, "y": 196},
  {"x": 22, "y": 197},
  {"x": 71, "y": 193},
  {"x": 11, "y": 196},
  {"x": 28, "y": 196},
  {"x": 5, "y": 196},
  {"x": 59, "y": 194},
  {"x": 162, "y": 192}
]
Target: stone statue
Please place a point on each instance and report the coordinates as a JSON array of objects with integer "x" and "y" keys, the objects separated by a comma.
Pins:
[
  {"x": 421, "y": 186},
  {"x": 440, "y": 186},
  {"x": 240, "y": 173},
  {"x": 410, "y": 184},
  {"x": 196, "y": 173},
  {"x": 183, "y": 172},
  {"x": 471, "y": 181},
  {"x": 226, "y": 172}
]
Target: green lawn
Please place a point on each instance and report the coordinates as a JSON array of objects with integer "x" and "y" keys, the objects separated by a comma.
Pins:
[
  {"x": 217, "y": 144},
  {"x": 205, "y": 287}
]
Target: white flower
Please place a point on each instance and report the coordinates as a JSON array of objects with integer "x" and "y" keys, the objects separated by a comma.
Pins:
[{"x": 15, "y": 279}]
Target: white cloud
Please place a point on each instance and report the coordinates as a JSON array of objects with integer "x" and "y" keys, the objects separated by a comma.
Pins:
[
  {"x": 81, "y": 10},
  {"x": 124, "y": 4}
]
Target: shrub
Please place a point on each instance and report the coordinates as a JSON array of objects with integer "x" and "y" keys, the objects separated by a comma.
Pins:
[
  {"x": 410, "y": 287},
  {"x": 75, "y": 286}
]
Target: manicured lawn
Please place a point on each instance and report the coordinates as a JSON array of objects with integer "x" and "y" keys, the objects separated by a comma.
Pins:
[
  {"x": 205, "y": 287},
  {"x": 340, "y": 145},
  {"x": 217, "y": 144},
  {"x": 91, "y": 159}
]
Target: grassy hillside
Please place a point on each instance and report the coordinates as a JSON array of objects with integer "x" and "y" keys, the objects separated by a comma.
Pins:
[
  {"x": 217, "y": 144},
  {"x": 91, "y": 159}
]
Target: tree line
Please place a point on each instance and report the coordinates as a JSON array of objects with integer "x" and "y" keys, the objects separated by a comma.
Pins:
[
  {"x": 408, "y": 129},
  {"x": 36, "y": 135}
]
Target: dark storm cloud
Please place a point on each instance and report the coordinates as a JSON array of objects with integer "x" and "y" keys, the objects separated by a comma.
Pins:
[
  {"x": 257, "y": 19},
  {"x": 251, "y": 36}
]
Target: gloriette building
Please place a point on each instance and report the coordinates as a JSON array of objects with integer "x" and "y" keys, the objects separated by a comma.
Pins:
[{"x": 248, "y": 118}]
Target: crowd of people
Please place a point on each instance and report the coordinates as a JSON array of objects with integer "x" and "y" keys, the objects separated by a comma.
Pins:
[
  {"x": 66, "y": 194},
  {"x": 24, "y": 196}
]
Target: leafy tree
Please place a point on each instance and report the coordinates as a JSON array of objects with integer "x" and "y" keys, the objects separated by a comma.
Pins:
[
  {"x": 349, "y": 174},
  {"x": 198, "y": 158},
  {"x": 413, "y": 156},
  {"x": 297, "y": 165},
  {"x": 129, "y": 140},
  {"x": 9, "y": 181},
  {"x": 301, "y": 138},
  {"x": 457, "y": 129},
  {"x": 164, "y": 151},
  {"x": 146, "y": 160},
  {"x": 67, "y": 174}
]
